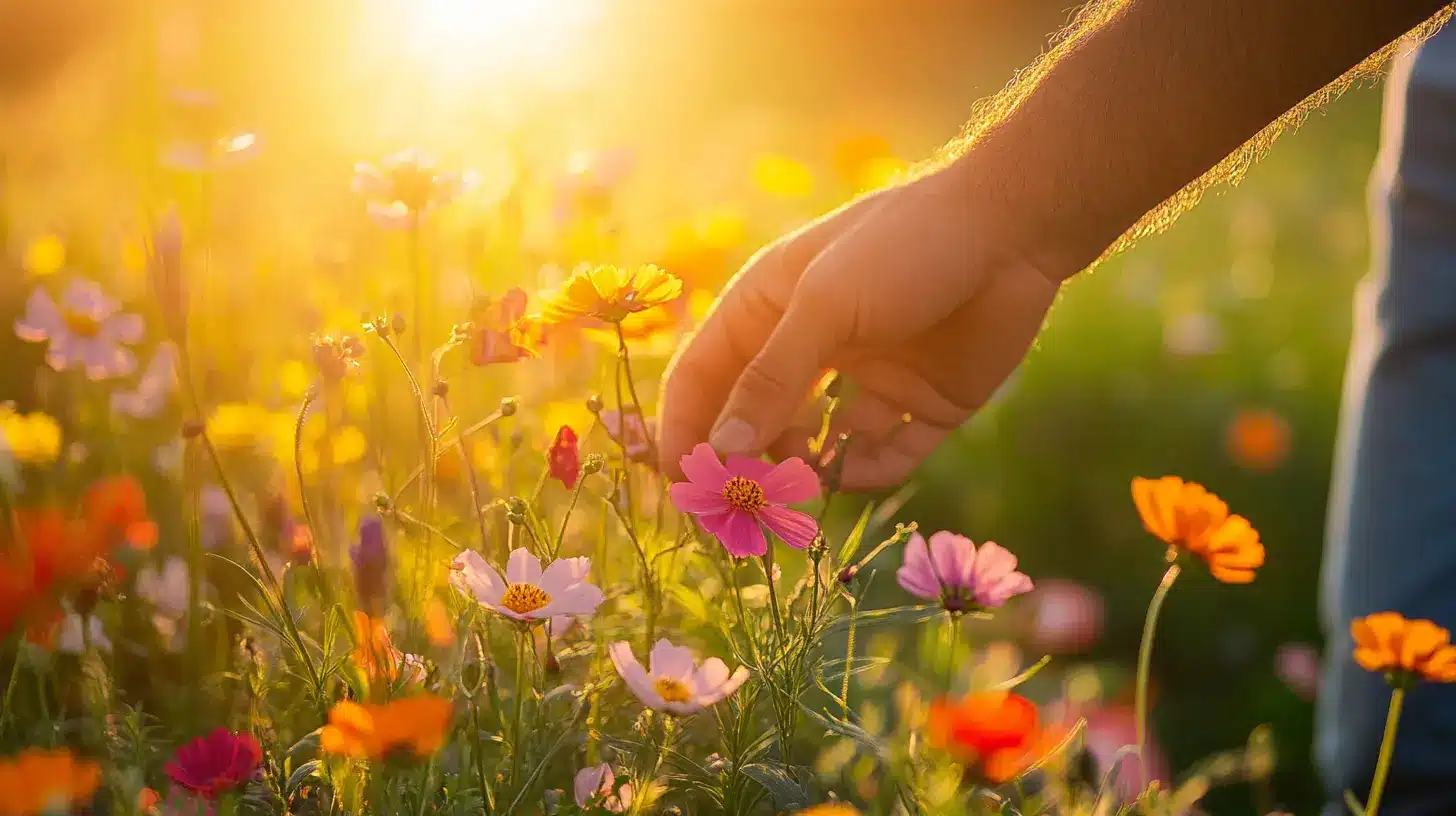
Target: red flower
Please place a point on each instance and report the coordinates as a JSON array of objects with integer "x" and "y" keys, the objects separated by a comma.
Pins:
[
  {"x": 218, "y": 762},
  {"x": 564, "y": 458},
  {"x": 996, "y": 733},
  {"x": 116, "y": 512}
]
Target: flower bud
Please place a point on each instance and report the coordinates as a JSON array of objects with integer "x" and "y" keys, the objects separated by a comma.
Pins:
[
  {"x": 382, "y": 503},
  {"x": 847, "y": 574},
  {"x": 594, "y": 403},
  {"x": 508, "y": 406},
  {"x": 441, "y": 389},
  {"x": 396, "y": 323},
  {"x": 193, "y": 428},
  {"x": 517, "y": 505},
  {"x": 593, "y": 464}
]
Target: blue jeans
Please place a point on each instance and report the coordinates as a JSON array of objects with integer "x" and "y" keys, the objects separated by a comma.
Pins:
[{"x": 1391, "y": 542}]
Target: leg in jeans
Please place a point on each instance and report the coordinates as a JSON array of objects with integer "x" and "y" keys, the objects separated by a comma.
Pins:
[{"x": 1391, "y": 543}]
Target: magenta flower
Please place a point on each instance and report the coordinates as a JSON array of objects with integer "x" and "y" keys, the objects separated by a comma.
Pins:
[
  {"x": 953, "y": 571},
  {"x": 528, "y": 593},
  {"x": 85, "y": 329},
  {"x": 597, "y": 785},
  {"x": 674, "y": 682},
  {"x": 734, "y": 501},
  {"x": 211, "y": 765}
]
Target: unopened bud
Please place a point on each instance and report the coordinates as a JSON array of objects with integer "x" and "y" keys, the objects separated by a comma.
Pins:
[
  {"x": 847, "y": 574},
  {"x": 441, "y": 389},
  {"x": 382, "y": 502},
  {"x": 517, "y": 505},
  {"x": 397, "y": 324},
  {"x": 193, "y": 428},
  {"x": 508, "y": 406},
  {"x": 593, "y": 464},
  {"x": 553, "y": 666},
  {"x": 594, "y": 404}
]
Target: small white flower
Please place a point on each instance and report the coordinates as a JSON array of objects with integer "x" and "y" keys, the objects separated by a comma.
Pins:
[
  {"x": 528, "y": 593},
  {"x": 72, "y": 639},
  {"x": 167, "y": 589},
  {"x": 674, "y": 682}
]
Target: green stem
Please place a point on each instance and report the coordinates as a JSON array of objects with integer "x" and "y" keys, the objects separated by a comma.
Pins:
[
  {"x": 773, "y": 595},
  {"x": 667, "y": 734},
  {"x": 1145, "y": 659},
  {"x": 848, "y": 657},
  {"x": 5, "y": 709},
  {"x": 517, "y": 738},
  {"x": 575, "y": 494},
  {"x": 308, "y": 518},
  {"x": 1387, "y": 751},
  {"x": 632, "y": 389}
]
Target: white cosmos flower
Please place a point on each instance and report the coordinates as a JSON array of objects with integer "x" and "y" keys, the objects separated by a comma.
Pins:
[
  {"x": 674, "y": 682},
  {"x": 167, "y": 588},
  {"x": 528, "y": 593},
  {"x": 598, "y": 785}
]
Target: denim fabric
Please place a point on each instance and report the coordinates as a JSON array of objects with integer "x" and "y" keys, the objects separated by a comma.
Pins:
[{"x": 1391, "y": 541}]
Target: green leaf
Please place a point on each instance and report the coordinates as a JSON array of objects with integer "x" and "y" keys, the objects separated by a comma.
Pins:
[
  {"x": 846, "y": 729},
  {"x": 786, "y": 792},
  {"x": 690, "y": 600},
  {"x": 1354, "y": 804},
  {"x": 303, "y": 773},
  {"x": 856, "y": 536},
  {"x": 1029, "y": 673},
  {"x": 894, "y": 616},
  {"x": 306, "y": 747}
]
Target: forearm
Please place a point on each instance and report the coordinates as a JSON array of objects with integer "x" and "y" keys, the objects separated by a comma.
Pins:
[{"x": 1152, "y": 100}]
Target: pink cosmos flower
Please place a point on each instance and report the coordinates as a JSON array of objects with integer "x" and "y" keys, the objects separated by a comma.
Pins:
[
  {"x": 149, "y": 397},
  {"x": 528, "y": 593},
  {"x": 635, "y": 434},
  {"x": 1067, "y": 618},
  {"x": 733, "y": 499},
  {"x": 1298, "y": 665},
  {"x": 953, "y": 571},
  {"x": 674, "y": 682},
  {"x": 216, "y": 763},
  {"x": 85, "y": 329},
  {"x": 597, "y": 785}
]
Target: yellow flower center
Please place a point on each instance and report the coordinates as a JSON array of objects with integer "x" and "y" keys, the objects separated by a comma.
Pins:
[
  {"x": 524, "y": 599},
  {"x": 744, "y": 494},
  {"x": 80, "y": 323},
  {"x": 673, "y": 691}
]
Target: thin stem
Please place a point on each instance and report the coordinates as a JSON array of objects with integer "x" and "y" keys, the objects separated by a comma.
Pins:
[
  {"x": 5, "y": 709},
  {"x": 308, "y": 397},
  {"x": 773, "y": 595},
  {"x": 463, "y": 444},
  {"x": 1145, "y": 659},
  {"x": 742, "y": 613},
  {"x": 1387, "y": 751},
  {"x": 419, "y": 471},
  {"x": 667, "y": 734},
  {"x": 632, "y": 389},
  {"x": 575, "y": 494},
  {"x": 848, "y": 656},
  {"x": 517, "y": 738}
]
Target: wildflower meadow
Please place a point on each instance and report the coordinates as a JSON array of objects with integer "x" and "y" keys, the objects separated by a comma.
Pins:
[{"x": 355, "y": 506}]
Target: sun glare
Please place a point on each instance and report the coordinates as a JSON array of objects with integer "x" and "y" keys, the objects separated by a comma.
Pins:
[{"x": 468, "y": 36}]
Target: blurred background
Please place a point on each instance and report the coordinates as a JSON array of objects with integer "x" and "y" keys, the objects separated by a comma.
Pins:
[{"x": 688, "y": 133}]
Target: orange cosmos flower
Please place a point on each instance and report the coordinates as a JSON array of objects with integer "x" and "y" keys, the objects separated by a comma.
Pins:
[
  {"x": 830, "y": 809},
  {"x": 37, "y": 781},
  {"x": 1258, "y": 439},
  {"x": 1186, "y": 515},
  {"x": 374, "y": 652},
  {"x": 997, "y": 732},
  {"x": 415, "y": 724},
  {"x": 438, "y": 626},
  {"x": 1387, "y": 642},
  {"x": 610, "y": 293}
]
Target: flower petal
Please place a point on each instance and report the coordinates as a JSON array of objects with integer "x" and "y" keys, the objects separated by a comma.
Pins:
[
  {"x": 795, "y": 528},
  {"x": 703, "y": 468},
  {"x": 739, "y": 533},
  {"x": 690, "y": 497},
  {"x": 714, "y": 683},
  {"x": 42, "y": 319},
  {"x": 915, "y": 574},
  {"x": 633, "y": 674},
  {"x": 578, "y": 599},
  {"x": 790, "y": 482},
  {"x": 671, "y": 662},
  {"x": 473, "y": 577},
  {"x": 748, "y": 467},
  {"x": 562, "y": 573},
  {"x": 953, "y": 559},
  {"x": 523, "y": 567}
]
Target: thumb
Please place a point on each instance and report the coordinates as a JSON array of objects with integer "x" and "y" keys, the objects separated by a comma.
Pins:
[{"x": 774, "y": 383}]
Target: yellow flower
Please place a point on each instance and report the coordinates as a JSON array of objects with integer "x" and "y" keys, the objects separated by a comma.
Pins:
[
  {"x": 1187, "y": 516},
  {"x": 45, "y": 256},
  {"x": 610, "y": 293},
  {"x": 235, "y": 425},
  {"x": 783, "y": 177},
  {"x": 349, "y": 445},
  {"x": 1387, "y": 642},
  {"x": 33, "y": 439},
  {"x": 294, "y": 378},
  {"x": 37, "y": 781},
  {"x": 415, "y": 724}
]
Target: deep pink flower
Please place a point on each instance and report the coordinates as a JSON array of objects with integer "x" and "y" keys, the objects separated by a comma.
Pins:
[
  {"x": 952, "y": 570},
  {"x": 736, "y": 499},
  {"x": 564, "y": 458},
  {"x": 216, "y": 763}
]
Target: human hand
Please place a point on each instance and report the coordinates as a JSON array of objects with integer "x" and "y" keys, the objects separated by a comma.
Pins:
[{"x": 908, "y": 293}]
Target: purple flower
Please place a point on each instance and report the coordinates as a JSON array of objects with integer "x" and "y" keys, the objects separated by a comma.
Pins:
[
  {"x": 953, "y": 571},
  {"x": 371, "y": 564},
  {"x": 635, "y": 434},
  {"x": 84, "y": 329}
]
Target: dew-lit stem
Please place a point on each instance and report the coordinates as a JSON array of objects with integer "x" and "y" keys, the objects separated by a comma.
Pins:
[
  {"x": 309, "y": 396},
  {"x": 667, "y": 737},
  {"x": 1387, "y": 751},
  {"x": 848, "y": 656},
  {"x": 773, "y": 595},
  {"x": 1145, "y": 660}
]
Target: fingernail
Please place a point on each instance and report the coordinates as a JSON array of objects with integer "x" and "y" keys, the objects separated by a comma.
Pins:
[{"x": 733, "y": 435}]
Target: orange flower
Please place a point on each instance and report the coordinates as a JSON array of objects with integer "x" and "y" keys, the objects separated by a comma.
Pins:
[
  {"x": 374, "y": 653},
  {"x": 998, "y": 732},
  {"x": 438, "y": 626},
  {"x": 415, "y": 724},
  {"x": 37, "y": 781},
  {"x": 830, "y": 809},
  {"x": 1387, "y": 642},
  {"x": 1258, "y": 439},
  {"x": 147, "y": 800},
  {"x": 116, "y": 510},
  {"x": 1185, "y": 515}
]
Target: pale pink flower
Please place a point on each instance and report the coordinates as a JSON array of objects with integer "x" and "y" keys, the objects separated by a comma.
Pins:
[
  {"x": 736, "y": 499},
  {"x": 85, "y": 329},
  {"x": 597, "y": 785},
  {"x": 673, "y": 681},
  {"x": 1067, "y": 617},
  {"x": 635, "y": 434},
  {"x": 1298, "y": 665},
  {"x": 953, "y": 571},
  {"x": 528, "y": 593},
  {"x": 158, "y": 380}
]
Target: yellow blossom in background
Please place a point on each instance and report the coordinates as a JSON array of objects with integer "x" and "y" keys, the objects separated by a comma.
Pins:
[
  {"x": 235, "y": 425},
  {"x": 37, "y": 781},
  {"x": 700, "y": 302},
  {"x": 348, "y": 445},
  {"x": 294, "y": 378},
  {"x": 33, "y": 439},
  {"x": 610, "y": 293},
  {"x": 45, "y": 256},
  {"x": 574, "y": 414},
  {"x": 782, "y": 176},
  {"x": 356, "y": 398}
]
